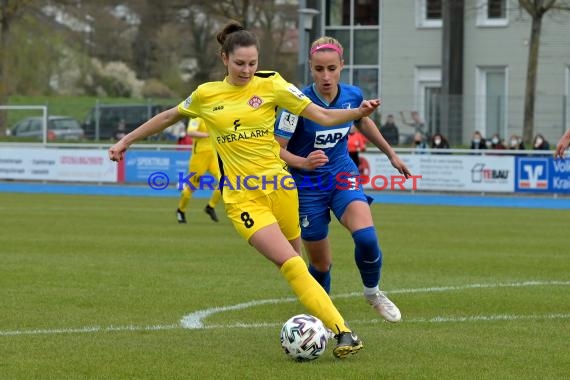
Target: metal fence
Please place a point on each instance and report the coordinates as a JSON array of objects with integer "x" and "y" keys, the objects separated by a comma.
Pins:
[{"x": 458, "y": 117}]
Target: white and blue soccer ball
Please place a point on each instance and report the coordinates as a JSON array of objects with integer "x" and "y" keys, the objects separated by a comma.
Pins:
[{"x": 304, "y": 337}]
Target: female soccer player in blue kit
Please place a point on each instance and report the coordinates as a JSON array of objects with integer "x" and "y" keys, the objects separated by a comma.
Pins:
[{"x": 317, "y": 156}]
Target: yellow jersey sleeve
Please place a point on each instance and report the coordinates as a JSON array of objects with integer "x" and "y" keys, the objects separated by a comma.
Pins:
[{"x": 288, "y": 96}]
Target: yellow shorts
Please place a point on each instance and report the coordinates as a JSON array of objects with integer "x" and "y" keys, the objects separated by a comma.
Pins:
[
  {"x": 280, "y": 206},
  {"x": 200, "y": 163}
]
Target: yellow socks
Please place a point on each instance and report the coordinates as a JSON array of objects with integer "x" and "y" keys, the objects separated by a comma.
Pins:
[
  {"x": 215, "y": 198},
  {"x": 312, "y": 295},
  {"x": 185, "y": 196}
]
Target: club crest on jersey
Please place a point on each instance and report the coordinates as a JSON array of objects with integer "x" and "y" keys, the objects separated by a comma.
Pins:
[{"x": 255, "y": 101}]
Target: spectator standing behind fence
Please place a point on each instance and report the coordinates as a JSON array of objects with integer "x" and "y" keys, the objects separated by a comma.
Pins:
[
  {"x": 477, "y": 141},
  {"x": 417, "y": 123},
  {"x": 497, "y": 143},
  {"x": 438, "y": 141},
  {"x": 419, "y": 142},
  {"x": 390, "y": 131},
  {"x": 562, "y": 145},
  {"x": 540, "y": 143},
  {"x": 516, "y": 143}
]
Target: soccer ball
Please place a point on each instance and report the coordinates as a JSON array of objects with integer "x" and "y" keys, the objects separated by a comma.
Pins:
[{"x": 304, "y": 337}]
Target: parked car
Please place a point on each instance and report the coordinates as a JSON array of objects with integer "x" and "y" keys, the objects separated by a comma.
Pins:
[
  {"x": 59, "y": 128},
  {"x": 110, "y": 116}
]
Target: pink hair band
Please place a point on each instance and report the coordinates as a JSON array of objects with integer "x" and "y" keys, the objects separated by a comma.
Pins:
[{"x": 326, "y": 46}]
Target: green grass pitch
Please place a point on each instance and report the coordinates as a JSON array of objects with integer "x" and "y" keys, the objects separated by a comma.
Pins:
[{"x": 95, "y": 288}]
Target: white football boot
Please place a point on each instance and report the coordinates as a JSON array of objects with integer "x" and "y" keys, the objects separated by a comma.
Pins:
[{"x": 386, "y": 308}]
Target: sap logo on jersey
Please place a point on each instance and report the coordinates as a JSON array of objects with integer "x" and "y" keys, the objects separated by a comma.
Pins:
[{"x": 330, "y": 137}]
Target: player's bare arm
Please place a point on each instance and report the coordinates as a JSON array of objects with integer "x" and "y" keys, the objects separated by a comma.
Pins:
[
  {"x": 333, "y": 117},
  {"x": 371, "y": 132},
  {"x": 151, "y": 127},
  {"x": 197, "y": 134},
  {"x": 562, "y": 145}
]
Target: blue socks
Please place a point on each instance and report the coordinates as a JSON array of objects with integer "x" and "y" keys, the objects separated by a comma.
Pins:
[
  {"x": 368, "y": 256},
  {"x": 323, "y": 278}
]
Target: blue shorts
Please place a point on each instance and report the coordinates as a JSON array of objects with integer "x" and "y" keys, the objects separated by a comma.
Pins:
[{"x": 315, "y": 207}]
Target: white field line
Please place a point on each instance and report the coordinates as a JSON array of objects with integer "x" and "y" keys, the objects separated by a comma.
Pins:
[
  {"x": 195, "y": 319},
  {"x": 458, "y": 319}
]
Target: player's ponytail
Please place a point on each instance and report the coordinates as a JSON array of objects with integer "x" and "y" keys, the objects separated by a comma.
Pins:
[{"x": 234, "y": 35}]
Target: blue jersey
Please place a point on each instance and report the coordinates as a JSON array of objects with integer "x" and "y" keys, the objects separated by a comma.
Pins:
[{"x": 306, "y": 136}]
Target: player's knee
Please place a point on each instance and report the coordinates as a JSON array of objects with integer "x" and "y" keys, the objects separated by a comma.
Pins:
[
  {"x": 313, "y": 235},
  {"x": 321, "y": 264},
  {"x": 366, "y": 245},
  {"x": 365, "y": 237}
]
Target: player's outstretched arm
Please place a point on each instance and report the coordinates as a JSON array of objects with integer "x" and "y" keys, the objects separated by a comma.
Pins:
[
  {"x": 333, "y": 117},
  {"x": 151, "y": 127},
  {"x": 562, "y": 145}
]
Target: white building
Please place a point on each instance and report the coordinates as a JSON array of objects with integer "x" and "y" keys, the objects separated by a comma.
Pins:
[{"x": 393, "y": 49}]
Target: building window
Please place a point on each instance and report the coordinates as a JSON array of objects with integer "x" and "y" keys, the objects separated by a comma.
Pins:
[
  {"x": 427, "y": 90},
  {"x": 356, "y": 25},
  {"x": 366, "y": 12},
  {"x": 367, "y": 80},
  {"x": 428, "y": 13},
  {"x": 337, "y": 12},
  {"x": 496, "y": 9},
  {"x": 366, "y": 50},
  {"x": 492, "y": 13},
  {"x": 490, "y": 103},
  {"x": 433, "y": 9}
]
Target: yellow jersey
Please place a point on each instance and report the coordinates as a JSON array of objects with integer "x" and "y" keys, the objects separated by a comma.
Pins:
[
  {"x": 199, "y": 144},
  {"x": 240, "y": 121}
]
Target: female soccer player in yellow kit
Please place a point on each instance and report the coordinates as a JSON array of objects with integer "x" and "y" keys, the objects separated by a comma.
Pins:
[
  {"x": 202, "y": 160},
  {"x": 239, "y": 113}
]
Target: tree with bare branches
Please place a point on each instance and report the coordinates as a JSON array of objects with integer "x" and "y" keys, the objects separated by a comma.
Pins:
[
  {"x": 536, "y": 9},
  {"x": 9, "y": 11}
]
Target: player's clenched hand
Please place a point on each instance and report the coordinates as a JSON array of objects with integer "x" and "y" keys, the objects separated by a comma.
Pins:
[
  {"x": 368, "y": 106},
  {"x": 315, "y": 159},
  {"x": 117, "y": 151}
]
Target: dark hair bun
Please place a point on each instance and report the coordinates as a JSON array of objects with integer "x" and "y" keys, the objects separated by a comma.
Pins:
[{"x": 231, "y": 27}]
